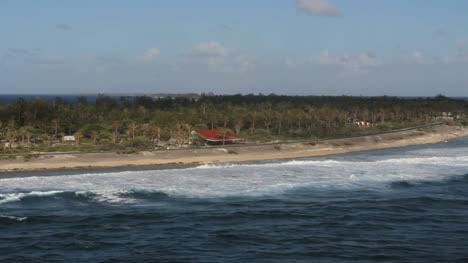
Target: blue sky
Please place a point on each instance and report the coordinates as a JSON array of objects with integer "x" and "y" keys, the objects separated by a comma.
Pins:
[{"x": 320, "y": 47}]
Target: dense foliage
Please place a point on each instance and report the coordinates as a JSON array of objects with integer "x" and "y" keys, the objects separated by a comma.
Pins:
[{"x": 144, "y": 121}]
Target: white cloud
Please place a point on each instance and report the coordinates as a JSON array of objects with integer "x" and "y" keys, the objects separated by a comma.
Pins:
[
  {"x": 210, "y": 49},
  {"x": 349, "y": 64},
  {"x": 218, "y": 58},
  {"x": 318, "y": 7},
  {"x": 243, "y": 64},
  {"x": 417, "y": 57},
  {"x": 149, "y": 55},
  {"x": 290, "y": 63}
]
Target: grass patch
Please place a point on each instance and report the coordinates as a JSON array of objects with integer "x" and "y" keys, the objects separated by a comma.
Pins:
[
  {"x": 28, "y": 157},
  {"x": 232, "y": 152},
  {"x": 127, "y": 151},
  {"x": 277, "y": 147},
  {"x": 7, "y": 158}
]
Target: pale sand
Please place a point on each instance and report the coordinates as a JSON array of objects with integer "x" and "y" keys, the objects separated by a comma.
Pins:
[{"x": 238, "y": 154}]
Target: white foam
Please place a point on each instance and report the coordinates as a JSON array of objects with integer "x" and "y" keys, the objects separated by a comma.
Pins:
[
  {"x": 14, "y": 197},
  {"x": 254, "y": 179},
  {"x": 16, "y": 218}
]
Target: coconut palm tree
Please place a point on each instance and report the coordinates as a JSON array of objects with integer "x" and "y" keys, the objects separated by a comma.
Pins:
[
  {"x": 154, "y": 132},
  {"x": 22, "y": 133},
  {"x": 62, "y": 134},
  {"x": 116, "y": 125},
  {"x": 55, "y": 124},
  {"x": 224, "y": 131},
  {"x": 78, "y": 136},
  {"x": 11, "y": 137},
  {"x": 46, "y": 138},
  {"x": 114, "y": 137},
  {"x": 132, "y": 128},
  {"x": 95, "y": 136}
]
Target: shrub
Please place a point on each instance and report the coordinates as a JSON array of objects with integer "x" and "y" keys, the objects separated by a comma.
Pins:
[
  {"x": 28, "y": 157},
  {"x": 139, "y": 141},
  {"x": 128, "y": 150},
  {"x": 109, "y": 146}
]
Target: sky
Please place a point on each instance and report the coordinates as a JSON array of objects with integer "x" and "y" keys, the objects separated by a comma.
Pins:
[{"x": 292, "y": 47}]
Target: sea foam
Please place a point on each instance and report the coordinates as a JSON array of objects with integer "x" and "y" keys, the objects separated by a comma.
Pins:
[{"x": 366, "y": 171}]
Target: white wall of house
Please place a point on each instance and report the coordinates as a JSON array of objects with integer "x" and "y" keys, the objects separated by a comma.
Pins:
[{"x": 69, "y": 138}]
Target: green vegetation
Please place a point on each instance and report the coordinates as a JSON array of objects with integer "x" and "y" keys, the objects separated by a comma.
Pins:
[{"x": 128, "y": 126}]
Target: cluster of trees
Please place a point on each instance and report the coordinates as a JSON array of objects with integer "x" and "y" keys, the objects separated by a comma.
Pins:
[{"x": 145, "y": 120}]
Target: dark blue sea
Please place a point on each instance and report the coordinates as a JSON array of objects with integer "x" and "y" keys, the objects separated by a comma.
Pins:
[
  {"x": 68, "y": 98},
  {"x": 73, "y": 98},
  {"x": 405, "y": 204}
]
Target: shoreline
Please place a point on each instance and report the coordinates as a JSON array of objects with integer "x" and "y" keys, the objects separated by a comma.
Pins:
[{"x": 238, "y": 153}]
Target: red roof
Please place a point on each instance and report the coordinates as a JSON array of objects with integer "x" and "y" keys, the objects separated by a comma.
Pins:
[{"x": 209, "y": 134}]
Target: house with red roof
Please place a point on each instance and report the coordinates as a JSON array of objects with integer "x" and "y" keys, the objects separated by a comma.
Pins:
[{"x": 217, "y": 137}]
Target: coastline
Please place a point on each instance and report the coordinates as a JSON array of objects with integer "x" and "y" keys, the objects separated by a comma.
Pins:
[{"x": 238, "y": 153}]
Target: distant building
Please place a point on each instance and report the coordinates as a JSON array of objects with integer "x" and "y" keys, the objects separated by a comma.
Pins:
[
  {"x": 450, "y": 116},
  {"x": 8, "y": 145},
  {"x": 216, "y": 137},
  {"x": 69, "y": 138},
  {"x": 364, "y": 124}
]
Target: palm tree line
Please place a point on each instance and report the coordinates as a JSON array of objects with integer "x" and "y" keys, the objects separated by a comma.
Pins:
[{"x": 146, "y": 121}]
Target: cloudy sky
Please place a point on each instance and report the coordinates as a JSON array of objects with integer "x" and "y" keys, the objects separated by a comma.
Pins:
[{"x": 318, "y": 47}]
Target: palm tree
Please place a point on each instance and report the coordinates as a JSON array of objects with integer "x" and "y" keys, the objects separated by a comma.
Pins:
[
  {"x": 46, "y": 138},
  {"x": 224, "y": 131},
  {"x": 78, "y": 136},
  {"x": 62, "y": 134},
  {"x": 114, "y": 137},
  {"x": 94, "y": 136},
  {"x": 154, "y": 132},
  {"x": 116, "y": 125},
  {"x": 186, "y": 128},
  {"x": 11, "y": 136},
  {"x": 238, "y": 125},
  {"x": 28, "y": 137},
  {"x": 55, "y": 124},
  {"x": 132, "y": 128},
  {"x": 22, "y": 133}
]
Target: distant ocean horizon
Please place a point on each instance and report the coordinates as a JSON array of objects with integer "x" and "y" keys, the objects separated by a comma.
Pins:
[
  {"x": 68, "y": 98},
  {"x": 72, "y": 98}
]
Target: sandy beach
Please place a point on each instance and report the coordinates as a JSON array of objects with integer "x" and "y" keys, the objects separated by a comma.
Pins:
[{"x": 238, "y": 153}]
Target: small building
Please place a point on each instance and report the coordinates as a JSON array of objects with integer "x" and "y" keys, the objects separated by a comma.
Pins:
[
  {"x": 216, "y": 137},
  {"x": 364, "y": 124},
  {"x": 10, "y": 145},
  {"x": 449, "y": 116},
  {"x": 69, "y": 138}
]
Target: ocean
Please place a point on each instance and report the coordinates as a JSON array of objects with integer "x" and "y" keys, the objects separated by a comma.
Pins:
[
  {"x": 68, "y": 98},
  {"x": 406, "y": 204},
  {"x": 73, "y": 98}
]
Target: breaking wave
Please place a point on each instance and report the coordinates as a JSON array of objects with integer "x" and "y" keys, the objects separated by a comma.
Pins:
[
  {"x": 355, "y": 171},
  {"x": 14, "y": 197}
]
